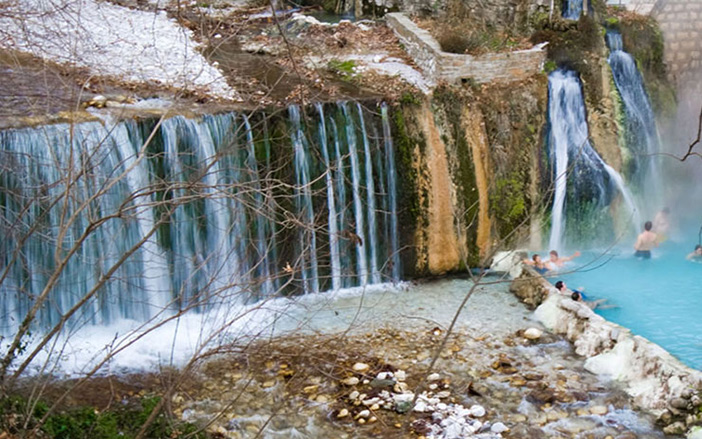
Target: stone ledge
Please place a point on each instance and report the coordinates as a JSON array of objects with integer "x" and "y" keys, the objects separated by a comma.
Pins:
[{"x": 454, "y": 68}]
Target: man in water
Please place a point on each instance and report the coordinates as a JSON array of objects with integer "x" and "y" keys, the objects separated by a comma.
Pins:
[
  {"x": 645, "y": 242},
  {"x": 563, "y": 289},
  {"x": 661, "y": 224},
  {"x": 558, "y": 261},
  {"x": 592, "y": 304},
  {"x": 696, "y": 255},
  {"x": 540, "y": 266},
  {"x": 579, "y": 296}
]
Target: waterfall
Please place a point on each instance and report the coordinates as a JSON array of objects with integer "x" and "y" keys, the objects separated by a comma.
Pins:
[
  {"x": 262, "y": 224},
  {"x": 572, "y": 9},
  {"x": 215, "y": 211},
  {"x": 574, "y": 161},
  {"x": 392, "y": 193},
  {"x": 308, "y": 234},
  {"x": 59, "y": 183},
  {"x": 331, "y": 203},
  {"x": 370, "y": 195},
  {"x": 356, "y": 192},
  {"x": 340, "y": 179},
  {"x": 641, "y": 133}
]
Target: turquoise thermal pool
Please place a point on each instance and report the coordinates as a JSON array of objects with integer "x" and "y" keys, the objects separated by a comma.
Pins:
[{"x": 659, "y": 299}]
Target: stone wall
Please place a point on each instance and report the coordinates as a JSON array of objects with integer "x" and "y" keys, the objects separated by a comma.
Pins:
[
  {"x": 643, "y": 7},
  {"x": 453, "y": 68},
  {"x": 681, "y": 23}
]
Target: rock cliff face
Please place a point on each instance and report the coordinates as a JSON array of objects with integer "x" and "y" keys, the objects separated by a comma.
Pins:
[{"x": 477, "y": 164}]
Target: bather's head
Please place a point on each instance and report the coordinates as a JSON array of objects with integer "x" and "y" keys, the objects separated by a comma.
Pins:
[
  {"x": 698, "y": 249},
  {"x": 576, "y": 296},
  {"x": 648, "y": 226},
  {"x": 553, "y": 255},
  {"x": 536, "y": 259},
  {"x": 560, "y": 285}
]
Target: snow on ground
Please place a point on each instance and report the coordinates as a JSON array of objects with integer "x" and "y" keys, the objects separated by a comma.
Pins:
[
  {"x": 380, "y": 63},
  {"x": 111, "y": 40}
]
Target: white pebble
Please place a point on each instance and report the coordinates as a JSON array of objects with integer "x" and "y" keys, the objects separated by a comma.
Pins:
[
  {"x": 498, "y": 427},
  {"x": 533, "y": 333},
  {"x": 433, "y": 377},
  {"x": 477, "y": 411},
  {"x": 351, "y": 381},
  {"x": 361, "y": 367},
  {"x": 363, "y": 414}
]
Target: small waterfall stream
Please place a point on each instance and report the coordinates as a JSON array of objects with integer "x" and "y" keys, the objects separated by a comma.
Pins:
[
  {"x": 223, "y": 209},
  {"x": 573, "y": 9},
  {"x": 641, "y": 133},
  {"x": 574, "y": 162}
]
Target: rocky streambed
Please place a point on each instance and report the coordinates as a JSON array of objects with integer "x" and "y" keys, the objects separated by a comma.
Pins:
[{"x": 497, "y": 375}]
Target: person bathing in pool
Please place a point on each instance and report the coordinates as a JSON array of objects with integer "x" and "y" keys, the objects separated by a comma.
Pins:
[
  {"x": 558, "y": 261},
  {"x": 592, "y": 304},
  {"x": 696, "y": 255},
  {"x": 579, "y": 296},
  {"x": 645, "y": 242},
  {"x": 539, "y": 265},
  {"x": 563, "y": 289}
]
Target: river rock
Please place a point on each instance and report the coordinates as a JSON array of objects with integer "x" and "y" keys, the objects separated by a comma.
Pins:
[
  {"x": 360, "y": 367},
  {"x": 350, "y": 381},
  {"x": 477, "y": 411},
  {"x": 342, "y": 413},
  {"x": 380, "y": 384},
  {"x": 384, "y": 375},
  {"x": 517, "y": 381},
  {"x": 310, "y": 389},
  {"x": 533, "y": 334},
  {"x": 434, "y": 377},
  {"x": 400, "y": 375},
  {"x": 665, "y": 418},
  {"x": 518, "y": 418},
  {"x": 541, "y": 396},
  {"x": 679, "y": 403},
  {"x": 599, "y": 410},
  {"x": 498, "y": 427},
  {"x": 362, "y": 414},
  {"x": 676, "y": 428},
  {"x": 533, "y": 376}
]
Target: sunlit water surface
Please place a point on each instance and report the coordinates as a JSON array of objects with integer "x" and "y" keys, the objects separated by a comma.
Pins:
[{"x": 659, "y": 298}]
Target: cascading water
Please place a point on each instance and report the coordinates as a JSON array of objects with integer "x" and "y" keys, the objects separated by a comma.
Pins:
[
  {"x": 360, "y": 233},
  {"x": 65, "y": 194},
  {"x": 308, "y": 233},
  {"x": 641, "y": 133},
  {"x": 392, "y": 193},
  {"x": 582, "y": 180},
  {"x": 572, "y": 9},
  {"x": 209, "y": 212}
]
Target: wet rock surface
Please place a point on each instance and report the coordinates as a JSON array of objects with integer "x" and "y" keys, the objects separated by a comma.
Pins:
[{"x": 380, "y": 384}]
